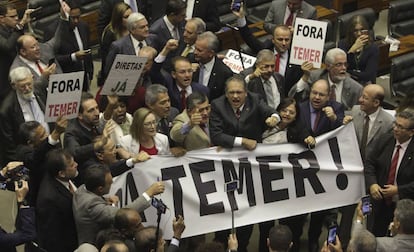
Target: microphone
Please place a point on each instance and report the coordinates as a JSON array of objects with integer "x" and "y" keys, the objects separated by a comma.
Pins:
[{"x": 232, "y": 27}]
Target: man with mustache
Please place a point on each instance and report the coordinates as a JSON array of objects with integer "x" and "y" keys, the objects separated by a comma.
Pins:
[{"x": 343, "y": 88}]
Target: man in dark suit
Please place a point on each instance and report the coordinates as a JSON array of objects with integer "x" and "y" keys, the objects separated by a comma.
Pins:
[
  {"x": 388, "y": 171},
  {"x": 56, "y": 226},
  {"x": 25, "y": 103},
  {"x": 10, "y": 30},
  {"x": 139, "y": 37},
  {"x": 285, "y": 11},
  {"x": 181, "y": 84},
  {"x": 207, "y": 11},
  {"x": 279, "y": 44},
  {"x": 239, "y": 118},
  {"x": 265, "y": 81},
  {"x": 170, "y": 26},
  {"x": 73, "y": 54},
  {"x": 319, "y": 115},
  {"x": 212, "y": 72}
]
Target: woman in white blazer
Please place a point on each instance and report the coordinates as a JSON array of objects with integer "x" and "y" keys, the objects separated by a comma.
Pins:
[{"x": 143, "y": 137}]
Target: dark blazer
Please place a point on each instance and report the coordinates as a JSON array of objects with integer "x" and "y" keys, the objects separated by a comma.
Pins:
[
  {"x": 116, "y": 168},
  {"x": 324, "y": 124},
  {"x": 377, "y": 165},
  {"x": 162, "y": 33},
  {"x": 292, "y": 72},
  {"x": 208, "y": 12},
  {"x": 175, "y": 95},
  {"x": 224, "y": 125},
  {"x": 123, "y": 45},
  {"x": 11, "y": 116},
  {"x": 219, "y": 74},
  {"x": 365, "y": 69},
  {"x": 25, "y": 231},
  {"x": 69, "y": 45},
  {"x": 255, "y": 85},
  {"x": 8, "y": 39},
  {"x": 78, "y": 141},
  {"x": 55, "y": 223}
]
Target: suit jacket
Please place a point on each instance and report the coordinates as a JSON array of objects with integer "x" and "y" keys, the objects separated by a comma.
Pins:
[
  {"x": 351, "y": 90},
  {"x": 377, "y": 165},
  {"x": 25, "y": 231},
  {"x": 365, "y": 68},
  {"x": 195, "y": 139},
  {"x": 132, "y": 146},
  {"x": 225, "y": 127},
  {"x": 276, "y": 14},
  {"x": 324, "y": 124},
  {"x": 78, "y": 141},
  {"x": 55, "y": 223},
  {"x": 92, "y": 213},
  {"x": 381, "y": 125},
  {"x": 160, "y": 30},
  {"x": 219, "y": 74},
  {"x": 123, "y": 45},
  {"x": 292, "y": 72},
  {"x": 208, "y": 12},
  {"x": 8, "y": 39},
  {"x": 11, "y": 116},
  {"x": 255, "y": 85},
  {"x": 69, "y": 45}
]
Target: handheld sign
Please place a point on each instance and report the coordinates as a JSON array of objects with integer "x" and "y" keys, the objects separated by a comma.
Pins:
[
  {"x": 232, "y": 60},
  {"x": 124, "y": 75},
  {"x": 64, "y": 94},
  {"x": 308, "y": 41}
]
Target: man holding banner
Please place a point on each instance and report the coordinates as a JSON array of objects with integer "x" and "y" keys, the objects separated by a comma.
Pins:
[{"x": 239, "y": 118}]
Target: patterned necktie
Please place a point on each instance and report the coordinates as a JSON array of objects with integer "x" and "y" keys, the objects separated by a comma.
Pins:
[
  {"x": 186, "y": 51},
  {"x": 277, "y": 63},
  {"x": 289, "y": 20},
  {"x": 238, "y": 113},
  {"x": 332, "y": 94}
]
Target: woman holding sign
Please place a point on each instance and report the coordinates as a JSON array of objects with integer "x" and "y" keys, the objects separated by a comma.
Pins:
[
  {"x": 363, "y": 54},
  {"x": 143, "y": 137}
]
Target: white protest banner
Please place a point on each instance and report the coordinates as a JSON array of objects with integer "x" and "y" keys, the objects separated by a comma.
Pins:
[
  {"x": 64, "y": 94},
  {"x": 275, "y": 181},
  {"x": 232, "y": 60},
  {"x": 308, "y": 41},
  {"x": 124, "y": 75}
]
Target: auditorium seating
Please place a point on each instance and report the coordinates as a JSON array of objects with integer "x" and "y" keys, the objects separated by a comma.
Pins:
[
  {"x": 344, "y": 20},
  {"x": 401, "y": 18},
  {"x": 402, "y": 74}
]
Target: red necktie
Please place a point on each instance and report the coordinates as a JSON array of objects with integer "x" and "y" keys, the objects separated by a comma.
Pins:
[
  {"x": 39, "y": 67},
  {"x": 393, "y": 167},
  {"x": 316, "y": 122},
  {"x": 183, "y": 99},
  {"x": 277, "y": 62},
  {"x": 289, "y": 20}
]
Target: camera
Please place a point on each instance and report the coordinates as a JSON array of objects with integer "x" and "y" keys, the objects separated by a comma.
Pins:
[
  {"x": 159, "y": 205},
  {"x": 17, "y": 174}
]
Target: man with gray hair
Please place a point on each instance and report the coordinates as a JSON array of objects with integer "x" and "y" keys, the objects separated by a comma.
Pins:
[
  {"x": 265, "y": 81},
  {"x": 194, "y": 27},
  {"x": 212, "y": 72},
  {"x": 388, "y": 171},
  {"x": 26, "y": 102},
  {"x": 138, "y": 37},
  {"x": 343, "y": 88}
]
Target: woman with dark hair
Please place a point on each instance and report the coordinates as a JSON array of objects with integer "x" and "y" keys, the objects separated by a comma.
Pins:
[
  {"x": 115, "y": 30},
  {"x": 289, "y": 130},
  {"x": 143, "y": 135},
  {"x": 362, "y": 53}
]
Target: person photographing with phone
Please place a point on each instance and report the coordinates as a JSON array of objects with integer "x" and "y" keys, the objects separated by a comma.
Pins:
[{"x": 362, "y": 53}]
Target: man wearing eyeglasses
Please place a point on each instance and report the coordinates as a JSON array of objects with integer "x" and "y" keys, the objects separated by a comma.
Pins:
[
  {"x": 343, "y": 88},
  {"x": 389, "y": 172}
]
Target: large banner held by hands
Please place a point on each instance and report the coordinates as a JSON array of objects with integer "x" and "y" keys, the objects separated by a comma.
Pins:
[
  {"x": 308, "y": 42},
  {"x": 64, "y": 95},
  {"x": 275, "y": 181},
  {"x": 124, "y": 75}
]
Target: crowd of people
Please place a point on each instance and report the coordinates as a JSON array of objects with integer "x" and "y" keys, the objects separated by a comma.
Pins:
[{"x": 187, "y": 99}]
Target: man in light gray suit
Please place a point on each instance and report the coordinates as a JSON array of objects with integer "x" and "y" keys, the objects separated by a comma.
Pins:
[
  {"x": 371, "y": 121},
  {"x": 92, "y": 212},
  {"x": 343, "y": 88},
  {"x": 284, "y": 12}
]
